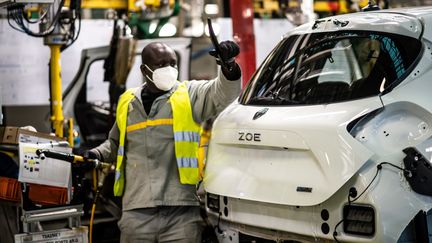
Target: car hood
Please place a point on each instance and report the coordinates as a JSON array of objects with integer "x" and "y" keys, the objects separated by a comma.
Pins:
[{"x": 299, "y": 155}]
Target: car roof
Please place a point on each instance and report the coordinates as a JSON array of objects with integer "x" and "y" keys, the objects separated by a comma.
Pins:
[{"x": 403, "y": 21}]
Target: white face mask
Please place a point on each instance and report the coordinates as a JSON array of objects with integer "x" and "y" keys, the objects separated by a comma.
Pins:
[{"x": 163, "y": 78}]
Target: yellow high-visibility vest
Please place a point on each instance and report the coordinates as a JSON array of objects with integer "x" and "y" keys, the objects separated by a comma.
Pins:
[
  {"x": 202, "y": 150},
  {"x": 186, "y": 137}
]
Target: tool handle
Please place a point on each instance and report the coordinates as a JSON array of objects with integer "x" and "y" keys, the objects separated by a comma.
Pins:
[{"x": 72, "y": 158}]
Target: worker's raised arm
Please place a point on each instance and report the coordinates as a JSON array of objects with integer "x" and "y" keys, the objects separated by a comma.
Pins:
[{"x": 209, "y": 97}]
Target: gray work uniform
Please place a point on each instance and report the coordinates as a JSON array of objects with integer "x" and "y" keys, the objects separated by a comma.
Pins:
[{"x": 152, "y": 180}]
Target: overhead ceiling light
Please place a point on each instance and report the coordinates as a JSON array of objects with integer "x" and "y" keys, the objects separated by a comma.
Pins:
[
  {"x": 211, "y": 9},
  {"x": 247, "y": 13},
  {"x": 152, "y": 27},
  {"x": 168, "y": 30}
]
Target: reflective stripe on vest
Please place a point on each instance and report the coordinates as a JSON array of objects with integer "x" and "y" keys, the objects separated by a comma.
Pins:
[
  {"x": 186, "y": 136},
  {"x": 149, "y": 123}
]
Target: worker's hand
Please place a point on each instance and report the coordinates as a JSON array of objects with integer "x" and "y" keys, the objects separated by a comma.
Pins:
[
  {"x": 88, "y": 154},
  {"x": 228, "y": 51}
]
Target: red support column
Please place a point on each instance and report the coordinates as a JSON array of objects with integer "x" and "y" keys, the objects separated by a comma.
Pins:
[{"x": 243, "y": 33}]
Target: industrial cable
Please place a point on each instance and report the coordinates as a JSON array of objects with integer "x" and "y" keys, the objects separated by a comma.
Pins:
[
  {"x": 334, "y": 232},
  {"x": 12, "y": 13},
  {"x": 379, "y": 168},
  {"x": 76, "y": 7},
  {"x": 94, "y": 175},
  {"x": 17, "y": 14},
  {"x": 74, "y": 38},
  {"x": 91, "y": 223},
  {"x": 92, "y": 216},
  {"x": 17, "y": 17},
  {"x": 37, "y": 20},
  {"x": 93, "y": 206},
  {"x": 9, "y": 16}
]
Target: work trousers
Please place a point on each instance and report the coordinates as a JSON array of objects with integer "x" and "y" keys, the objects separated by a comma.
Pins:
[{"x": 181, "y": 224}]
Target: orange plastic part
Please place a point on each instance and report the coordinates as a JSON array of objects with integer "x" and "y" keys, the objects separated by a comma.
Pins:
[
  {"x": 47, "y": 195},
  {"x": 10, "y": 190}
]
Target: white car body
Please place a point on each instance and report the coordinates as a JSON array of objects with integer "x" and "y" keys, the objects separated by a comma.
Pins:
[{"x": 273, "y": 177}]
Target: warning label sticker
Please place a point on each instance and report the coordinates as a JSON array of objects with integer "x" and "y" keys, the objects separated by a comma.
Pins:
[{"x": 76, "y": 235}]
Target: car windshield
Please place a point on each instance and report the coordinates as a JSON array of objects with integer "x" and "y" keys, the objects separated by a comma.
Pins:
[{"x": 327, "y": 68}]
